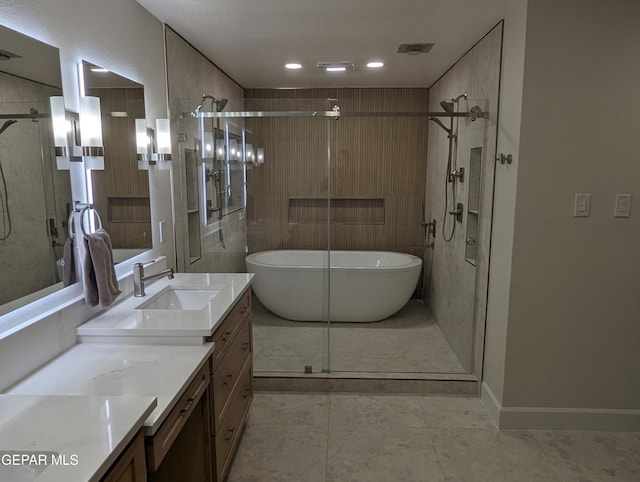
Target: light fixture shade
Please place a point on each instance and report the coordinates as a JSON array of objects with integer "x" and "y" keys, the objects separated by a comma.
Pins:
[
  {"x": 207, "y": 146},
  {"x": 142, "y": 139},
  {"x": 220, "y": 148},
  {"x": 90, "y": 122},
  {"x": 59, "y": 120},
  {"x": 260, "y": 155},
  {"x": 233, "y": 149},
  {"x": 163, "y": 134},
  {"x": 249, "y": 153}
]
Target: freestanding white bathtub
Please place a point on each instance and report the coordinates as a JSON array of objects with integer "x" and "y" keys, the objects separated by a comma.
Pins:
[{"x": 363, "y": 285}]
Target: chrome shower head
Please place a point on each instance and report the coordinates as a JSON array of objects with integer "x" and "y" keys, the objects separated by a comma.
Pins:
[
  {"x": 447, "y": 106},
  {"x": 7, "y": 124},
  {"x": 437, "y": 121},
  {"x": 221, "y": 104}
]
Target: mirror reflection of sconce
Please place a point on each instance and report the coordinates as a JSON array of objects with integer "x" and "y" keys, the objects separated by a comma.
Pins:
[
  {"x": 145, "y": 141},
  {"x": 91, "y": 132},
  {"x": 65, "y": 133}
]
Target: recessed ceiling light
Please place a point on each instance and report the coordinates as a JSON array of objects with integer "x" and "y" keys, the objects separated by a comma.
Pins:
[
  {"x": 375, "y": 65},
  {"x": 335, "y": 66},
  {"x": 293, "y": 66}
]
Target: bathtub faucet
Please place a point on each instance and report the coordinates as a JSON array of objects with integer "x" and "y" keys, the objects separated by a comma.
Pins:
[{"x": 139, "y": 278}]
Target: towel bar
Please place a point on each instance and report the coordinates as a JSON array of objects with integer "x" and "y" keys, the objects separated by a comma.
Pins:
[{"x": 82, "y": 208}]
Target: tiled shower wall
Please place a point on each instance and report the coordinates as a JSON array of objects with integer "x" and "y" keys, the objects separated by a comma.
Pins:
[
  {"x": 376, "y": 178},
  {"x": 33, "y": 183},
  {"x": 455, "y": 288},
  {"x": 189, "y": 75}
]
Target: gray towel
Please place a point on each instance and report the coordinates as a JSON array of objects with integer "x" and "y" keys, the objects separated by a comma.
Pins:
[
  {"x": 68, "y": 263},
  {"x": 99, "y": 274}
]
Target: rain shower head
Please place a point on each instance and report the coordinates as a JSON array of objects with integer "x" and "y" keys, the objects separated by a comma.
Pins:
[
  {"x": 447, "y": 106},
  {"x": 220, "y": 104},
  {"x": 7, "y": 124},
  {"x": 437, "y": 121}
]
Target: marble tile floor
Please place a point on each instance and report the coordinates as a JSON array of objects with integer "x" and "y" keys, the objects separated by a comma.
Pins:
[
  {"x": 408, "y": 342},
  {"x": 338, "y": 437}
]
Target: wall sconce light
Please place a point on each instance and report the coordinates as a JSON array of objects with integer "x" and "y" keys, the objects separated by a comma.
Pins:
[
  {"x": 220, "y": 148},
  {"x": 233, "y": 150},
  {"x": 63, "y": 135},
  {"x": 163, "y": 131},
  {"x": 260, "y": 156},
  {"x": 144, "y": 144},
  {"x": 250, "y": 155},
  {"x": 91, "y": 132}
]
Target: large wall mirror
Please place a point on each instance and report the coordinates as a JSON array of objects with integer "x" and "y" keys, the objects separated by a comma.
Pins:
[
  {"x": 121, "y": 190},
  {"x": 35, "y": 198}
]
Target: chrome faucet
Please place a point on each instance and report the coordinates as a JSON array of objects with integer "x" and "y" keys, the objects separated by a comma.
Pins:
[{"x": 139, "y": 278}]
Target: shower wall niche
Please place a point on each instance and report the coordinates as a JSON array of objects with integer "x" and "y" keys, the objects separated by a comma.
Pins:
[{"x": 473, "y": 204}]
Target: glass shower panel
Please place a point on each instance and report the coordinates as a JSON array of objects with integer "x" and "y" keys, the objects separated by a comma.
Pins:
[
  {"x": 377, "y": 241},
  {"x": 264, "y": 189},
  {"x": 287, "y": 188}
]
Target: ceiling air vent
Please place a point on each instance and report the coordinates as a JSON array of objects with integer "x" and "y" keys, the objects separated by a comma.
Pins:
[
  {"x": 6, "y": 55},
  {"x": 415, "y": 49}
]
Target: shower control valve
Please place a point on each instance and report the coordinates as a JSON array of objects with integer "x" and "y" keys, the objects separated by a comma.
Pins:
[{"x": 457, "y": 174}]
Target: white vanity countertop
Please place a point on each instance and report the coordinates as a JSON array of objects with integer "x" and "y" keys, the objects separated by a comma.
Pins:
[
  {"x": 61, "y": 430},
  {"x": 160, "y": 371},
  {"x": 124, "y": 320}
]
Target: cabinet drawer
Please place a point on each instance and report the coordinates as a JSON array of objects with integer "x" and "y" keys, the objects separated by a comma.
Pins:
[
  {"x": 228, "y": 373},
  {"x": 225, "y": 332},
  {"x": 130, "y": 466},
  {"x": 160, "y": 443},
  {"x": 228, "y": 436}
]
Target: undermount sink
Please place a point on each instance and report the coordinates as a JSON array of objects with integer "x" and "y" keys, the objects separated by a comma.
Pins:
[{"x": 180, "y": 298}]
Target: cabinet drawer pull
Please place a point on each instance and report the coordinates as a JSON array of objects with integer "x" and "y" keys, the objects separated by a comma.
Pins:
[
  {"x": 244, "y": 310},
  {"x": 245, "y": 346},
  {"x": 225, "y": 337},
  {"x": 229, "y": 434},
  {"x": 247, "y": 392},
  {"x": 227, "y": 379},
  {"x": 187, "y": 406}
]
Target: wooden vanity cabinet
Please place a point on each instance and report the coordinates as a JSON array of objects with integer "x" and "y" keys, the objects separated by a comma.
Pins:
[
  {"x": 130, "y": 466},
  {"x": 181, "y": 448},
  {"x": 231, "y": 383}
]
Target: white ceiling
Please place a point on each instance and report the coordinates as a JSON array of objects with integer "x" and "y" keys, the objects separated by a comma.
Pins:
[{"x": 251, "y": 40}]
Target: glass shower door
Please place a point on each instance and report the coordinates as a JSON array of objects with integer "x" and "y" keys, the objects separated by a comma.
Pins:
[{"x": 267, "y": 184}]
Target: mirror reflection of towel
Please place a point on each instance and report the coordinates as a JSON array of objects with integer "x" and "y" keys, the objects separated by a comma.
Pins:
[{"x": 99, "y": 275}]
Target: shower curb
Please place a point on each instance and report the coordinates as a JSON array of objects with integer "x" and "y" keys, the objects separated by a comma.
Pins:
[{"x": 437, "y": 384}]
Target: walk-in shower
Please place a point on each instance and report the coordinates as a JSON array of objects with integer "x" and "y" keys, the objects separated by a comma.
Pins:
[
  {"x": 4, "y": 196},
  {"x": 331, "y": 188}
]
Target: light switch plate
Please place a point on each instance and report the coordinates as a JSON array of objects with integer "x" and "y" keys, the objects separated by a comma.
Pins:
[
  {"x": 582, "y": 206},
  {"x": 162, "y": 225},
  {"x": 623, "y": 206}
]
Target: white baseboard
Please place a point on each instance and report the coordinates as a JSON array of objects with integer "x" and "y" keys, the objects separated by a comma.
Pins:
[{"x": 541, "y": 418}]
